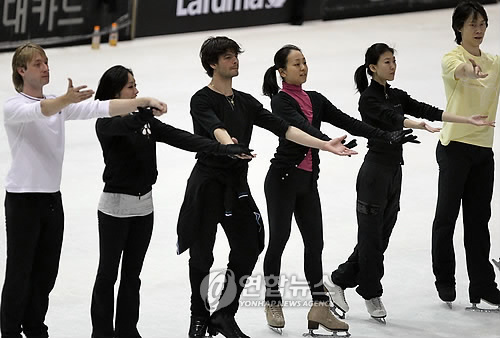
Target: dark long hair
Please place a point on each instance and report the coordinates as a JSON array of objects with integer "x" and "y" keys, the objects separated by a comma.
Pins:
[
  {"x": 371, "y": 58},
  {"x": 462, "y": 13},
  {"x": 112, "y": 82},
  {"x": 270, "y": 85},
  {"x": 215, "y": 46}
]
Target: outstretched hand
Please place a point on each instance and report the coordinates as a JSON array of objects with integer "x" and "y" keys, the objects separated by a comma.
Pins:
[
  {"x": 423, "y": 125},
  {"x": 77, "y": 94},
  {"x": 481, "y": 120},
  {"x": 401, "y": 137},
  {"x": 335, "y": 146},
  {"x": 243, "y": 154},
  {"x": 477, "y": 71}
]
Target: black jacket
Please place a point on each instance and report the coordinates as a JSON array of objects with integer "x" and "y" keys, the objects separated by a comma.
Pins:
[
  {"x": 211, "y": 110},
  {"x": 291, "y": 154},
  {"x": 384, "y": 108},
  {"x": 129, "y": 149}
]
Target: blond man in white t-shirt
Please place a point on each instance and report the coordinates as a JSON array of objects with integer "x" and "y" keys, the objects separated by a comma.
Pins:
[{"x": 34, "y": 214}]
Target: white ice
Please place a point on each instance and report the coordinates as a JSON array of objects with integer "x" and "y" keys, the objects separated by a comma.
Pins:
[{"x": 168, "y": 67}]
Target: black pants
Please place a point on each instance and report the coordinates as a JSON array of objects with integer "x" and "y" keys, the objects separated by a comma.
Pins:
[
  {"x": 379, "y": 188},
  {"x": 465, "y": 176},
  {"x": 292, "y": 191},
  {"x": 242, "y": 232},
  {"x": 35, "y": 226},
  {"x": 125, "y": 239}
]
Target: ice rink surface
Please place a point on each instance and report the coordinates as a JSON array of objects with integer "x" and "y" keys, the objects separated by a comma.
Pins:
[{"x": 168, "y": 68}]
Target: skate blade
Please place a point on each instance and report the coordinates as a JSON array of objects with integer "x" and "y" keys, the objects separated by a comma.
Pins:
[
  {"x": 449, "y": 304},
  {"x": 381, "y": 320},
  {"x": 337, "y": 310},
  {"x": 497, "y": 263},
  {"x": 334, "y": 333},
  {"x": 278, "y": 330},
  {"x": 475, "y": 308}
]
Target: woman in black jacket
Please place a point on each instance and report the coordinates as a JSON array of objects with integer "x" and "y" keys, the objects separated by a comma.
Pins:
[
  {"x": 291, "y": 182},
  {"x": 125, "y": 210},
  {"x": 378, "y": 184}
]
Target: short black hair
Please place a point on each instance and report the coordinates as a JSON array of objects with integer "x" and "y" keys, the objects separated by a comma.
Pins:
[
  {"x": 215, "y": 46},
  {"x": 112, "y": 82},
  {"x": 462, "y": 13}
]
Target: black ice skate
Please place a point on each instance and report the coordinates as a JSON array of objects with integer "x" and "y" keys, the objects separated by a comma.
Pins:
[
  {"x": 497, "y": 263},
  {"x": 446, "y": 293},
  {"x": 225, "y": 325},
  {"x": 198, "y": 327},
  {"x": 492, "y": 298}
]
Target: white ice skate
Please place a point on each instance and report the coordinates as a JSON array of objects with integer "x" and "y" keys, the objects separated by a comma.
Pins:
[
  {"x": 475, "y": 308},
  {"x": 339, "y": 304},
  {"x": 376, "y": 309},
  {"x": 497, "y": 263},
  {"x": 274, "y": 317}
]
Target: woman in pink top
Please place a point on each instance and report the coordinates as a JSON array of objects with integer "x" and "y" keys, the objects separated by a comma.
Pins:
[{"x": 291, "y": 182}]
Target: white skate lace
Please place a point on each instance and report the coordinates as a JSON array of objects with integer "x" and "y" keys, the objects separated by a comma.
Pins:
[
  {"x": 376, "y": 303},
  {"x": 276, "y": 311}
]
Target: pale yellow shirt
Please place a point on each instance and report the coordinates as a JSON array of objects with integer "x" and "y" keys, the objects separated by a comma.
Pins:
[{"x": 467, "y": 97}]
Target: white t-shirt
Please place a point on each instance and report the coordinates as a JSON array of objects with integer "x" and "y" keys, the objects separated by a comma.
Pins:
[{"x": 37, "y": 141}]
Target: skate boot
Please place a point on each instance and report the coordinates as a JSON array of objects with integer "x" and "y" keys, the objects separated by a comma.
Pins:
[
  {"x": 274, "y": 316},
  {"x": 198, "y": 326},
  {"x": 338, "y": 301},
  {"x": 376, "y": 309},
  {"x": 226, "y": 325},
  {"x": 446, "y": 293},
  {"x": 320, "y": 314},
  {"x": 490, "y": 296}
]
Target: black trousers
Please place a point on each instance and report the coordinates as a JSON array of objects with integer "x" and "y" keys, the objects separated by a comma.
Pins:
[
  {"x": 242, "y": 232},
  {"x": 378, "y": 188},
  {"x": 465, "y": 176},
  {"x": 35, "y": 226},
  {"x": 125, "y": 239},
  {"x": 292, "y": 191}
]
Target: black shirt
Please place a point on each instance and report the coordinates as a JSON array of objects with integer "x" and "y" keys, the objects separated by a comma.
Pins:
[
  {"x": 291, "y": 154},
  {"x": 384, "y": 108},
  {"x": 211, "y": 110},
  {"x": 129, "y": 149}
]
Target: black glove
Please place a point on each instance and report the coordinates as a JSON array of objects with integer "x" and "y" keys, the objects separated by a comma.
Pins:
[
  {"x": 351, "y": 144},
  {"x": 400, "y": 137},
  {"x": 146, "y": 113},
  {"x": 234, "y": 149}
]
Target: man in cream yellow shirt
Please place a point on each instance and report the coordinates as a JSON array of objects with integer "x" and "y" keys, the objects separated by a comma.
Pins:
[{"x": 465, "y": 157}]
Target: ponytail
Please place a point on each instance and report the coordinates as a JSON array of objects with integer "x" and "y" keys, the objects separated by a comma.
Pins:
[
  {"x": 270, "y": 85},
  {"x": 361, "y": 79},
  {"x": 371, "y": 58}
]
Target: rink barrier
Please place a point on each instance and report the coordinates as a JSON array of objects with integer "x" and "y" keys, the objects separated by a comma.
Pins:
[
  {"x": 61, "y": 22},
  {"x": 342, "y": 9}
]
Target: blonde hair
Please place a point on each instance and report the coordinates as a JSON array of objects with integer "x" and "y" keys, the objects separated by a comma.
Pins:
[{"x": 22, "y": 56}]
